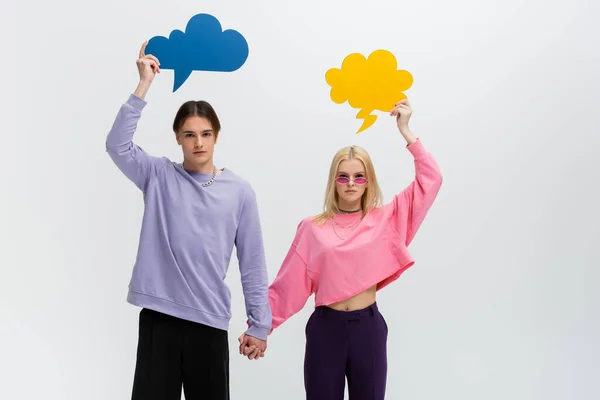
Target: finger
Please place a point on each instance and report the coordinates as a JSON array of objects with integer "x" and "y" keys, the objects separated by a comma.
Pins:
[
  {"x": 243, "y": 343},
  {"x": 403, "y": 101},
  {"x": 143, "y": 49},
  {"x": 401, "y": 108},
  {"x": 151, "y": 57},
  {"x": 249, "y": 349},
  {"x": 402, "y": 104},
  {"x": 396, "y": 110},
  {"x": 243, "y": 348},
  {"x": 153, "y": 65},
  {"x": 254, "y": 354},
  {"x": 148, "y": 61}
]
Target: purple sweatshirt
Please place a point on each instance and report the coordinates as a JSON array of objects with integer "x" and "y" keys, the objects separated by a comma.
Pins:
[{"x": 188, "y": 233}]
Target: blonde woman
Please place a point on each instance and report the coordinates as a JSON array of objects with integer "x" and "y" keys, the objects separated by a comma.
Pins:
[{"x": 344, "y": 256}]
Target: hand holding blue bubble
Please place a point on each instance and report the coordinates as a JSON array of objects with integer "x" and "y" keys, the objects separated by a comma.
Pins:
[
  {"x": 204, "y": 46},
  {"x": 148, "y": 65}
]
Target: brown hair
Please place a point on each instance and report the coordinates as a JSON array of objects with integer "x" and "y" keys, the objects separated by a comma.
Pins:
[{"x": 196, "y": 109}]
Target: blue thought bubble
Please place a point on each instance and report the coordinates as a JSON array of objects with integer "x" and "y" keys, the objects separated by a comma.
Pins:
[{"x": 203, "y": 47}]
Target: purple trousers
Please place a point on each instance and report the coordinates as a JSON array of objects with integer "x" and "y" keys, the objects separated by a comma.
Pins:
[{"x": 344, "y": 345}]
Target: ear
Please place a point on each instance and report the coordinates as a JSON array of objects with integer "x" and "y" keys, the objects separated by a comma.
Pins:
[{"x": 177, "y": 138}]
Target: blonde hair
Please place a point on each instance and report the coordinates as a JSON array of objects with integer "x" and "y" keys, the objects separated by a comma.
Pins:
[{"x": 372, "y": 196}]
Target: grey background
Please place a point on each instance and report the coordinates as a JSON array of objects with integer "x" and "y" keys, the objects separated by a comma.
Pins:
[{"x": 503, "y": 300}]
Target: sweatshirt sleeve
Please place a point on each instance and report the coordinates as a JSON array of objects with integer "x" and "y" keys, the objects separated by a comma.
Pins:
[
  {"x": 132, "y": 160},
  {"x": 253, "y": 268},
  {"x": 292, "y": 286},
  {"x": 410, "y": 206}
]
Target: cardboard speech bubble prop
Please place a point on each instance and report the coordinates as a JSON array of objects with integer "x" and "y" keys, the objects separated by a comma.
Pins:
[
  {"x": 204, "y": 46},
  {"x": 369, "y": 84}
]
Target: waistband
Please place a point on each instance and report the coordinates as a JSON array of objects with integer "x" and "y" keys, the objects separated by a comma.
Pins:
[{"x": 354, "y": 314}]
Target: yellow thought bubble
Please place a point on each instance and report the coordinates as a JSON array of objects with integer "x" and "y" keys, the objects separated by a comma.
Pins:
[{"x": 369, "y": 84}]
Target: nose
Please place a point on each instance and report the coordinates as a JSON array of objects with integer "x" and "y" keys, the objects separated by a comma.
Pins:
[{"x": 198, "y": 143}]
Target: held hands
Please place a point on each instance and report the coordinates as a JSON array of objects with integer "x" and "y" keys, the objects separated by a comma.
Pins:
[{"x": 252, "y": 347}]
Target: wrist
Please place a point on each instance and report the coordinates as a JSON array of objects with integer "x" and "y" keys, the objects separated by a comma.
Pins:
[
  {"x": 408, "y": 135},
  {"x": 142, "y": 88},
  {"x": 258, "y": 332}
]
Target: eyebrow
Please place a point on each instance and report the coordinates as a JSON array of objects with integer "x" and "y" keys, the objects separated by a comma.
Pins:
[
  {"x": 204, "y": 131},
  {"x": 345, "y": 173}
]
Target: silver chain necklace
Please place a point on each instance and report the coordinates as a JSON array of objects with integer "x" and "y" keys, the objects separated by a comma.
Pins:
[
  {"x": 212, "y": 178},
  {"x": 333, "y": 224}
]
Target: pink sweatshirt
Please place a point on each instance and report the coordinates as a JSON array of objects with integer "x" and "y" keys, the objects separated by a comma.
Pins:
[{"x": 373, "y": 253}]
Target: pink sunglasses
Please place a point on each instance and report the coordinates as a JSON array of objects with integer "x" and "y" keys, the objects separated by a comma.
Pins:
[{"x": 357, "y": 181}]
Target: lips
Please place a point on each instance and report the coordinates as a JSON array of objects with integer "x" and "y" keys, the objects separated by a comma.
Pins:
[
  {"x": 350, "y": 191},
  {"x": 199, "y": 152}
]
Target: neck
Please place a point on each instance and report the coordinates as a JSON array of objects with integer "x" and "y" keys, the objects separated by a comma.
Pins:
[
  {"x": 343, "y": 211},
  {"x": 204, "y": 168},
  {"x": 349, "y": 207}
]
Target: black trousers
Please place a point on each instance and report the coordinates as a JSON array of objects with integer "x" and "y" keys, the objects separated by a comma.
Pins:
[
  {"x": 346, "y": 346},
  {"x": 173, "y": 353}
]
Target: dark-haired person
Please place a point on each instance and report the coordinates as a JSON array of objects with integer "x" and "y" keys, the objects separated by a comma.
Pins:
[{"x": 194, "y": 214}]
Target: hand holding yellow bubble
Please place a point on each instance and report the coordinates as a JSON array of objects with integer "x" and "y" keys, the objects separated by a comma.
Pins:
[{"x": 369, "y": 84}]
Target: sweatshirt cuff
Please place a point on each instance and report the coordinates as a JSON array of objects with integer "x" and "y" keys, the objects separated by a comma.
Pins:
[
  {"x": 417, "y": 149},
  {"x": 258, "y": 332},
  {"x": 136, "y": 102}
]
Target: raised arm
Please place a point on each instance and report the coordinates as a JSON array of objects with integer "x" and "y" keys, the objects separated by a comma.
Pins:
[
  {"x": 131, "y": 159},
  {"x": 410, "y": 206},
  {"x": 253, "y": 269},
  {"x": 292, "y": 286}
]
